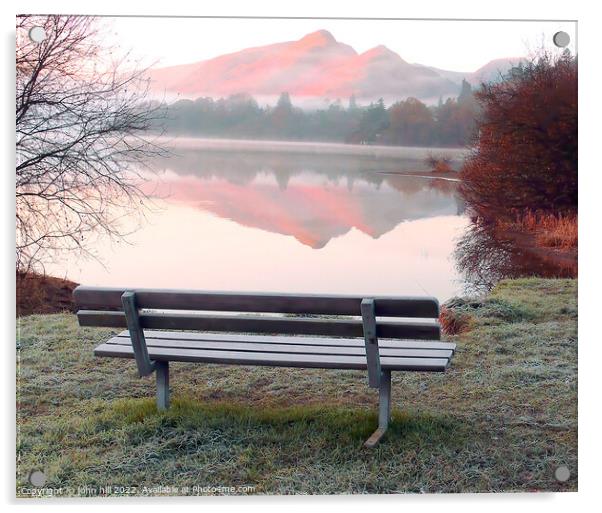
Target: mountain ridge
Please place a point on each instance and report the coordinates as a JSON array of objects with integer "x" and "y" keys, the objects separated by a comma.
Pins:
[{"x": 314, "y": 67}]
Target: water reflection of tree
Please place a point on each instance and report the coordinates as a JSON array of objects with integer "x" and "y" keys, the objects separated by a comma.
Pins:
[
  {"x": 245, "y": 167},
  {"x": 484, "y": 256},
  {"x": 241, "y": 166}
]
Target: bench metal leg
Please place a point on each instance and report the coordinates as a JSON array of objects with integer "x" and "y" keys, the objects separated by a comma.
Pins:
[
  {"x": 162, "y": 370},
  {"x": 384, "y": 409}
]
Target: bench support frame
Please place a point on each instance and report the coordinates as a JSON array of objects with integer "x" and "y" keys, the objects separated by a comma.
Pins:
[
  {"x": 377, "y": 377},
  {"x": 162, "y": 370},
  {"x": 130, "y": 308},
  {"x": 371, "y": 341},
  {"x": 143, "y": 362},
  {"x": 384, "y": 409}
]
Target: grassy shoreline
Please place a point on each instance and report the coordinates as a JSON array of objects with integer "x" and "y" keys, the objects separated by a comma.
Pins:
[{"x": 503, "y": 418}]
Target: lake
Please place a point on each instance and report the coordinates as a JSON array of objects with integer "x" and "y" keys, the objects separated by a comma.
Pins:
[{"x": 294, "y": 217}]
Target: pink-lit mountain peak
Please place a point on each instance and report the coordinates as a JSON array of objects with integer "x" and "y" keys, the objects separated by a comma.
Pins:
[
  {"x": 320, "y": 47},
  {"x": 319, "y": 38},
  {"x": 381, "y": 52}
]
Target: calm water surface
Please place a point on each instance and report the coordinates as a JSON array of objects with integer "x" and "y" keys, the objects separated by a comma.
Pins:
[{"x": 321, "y": 221}]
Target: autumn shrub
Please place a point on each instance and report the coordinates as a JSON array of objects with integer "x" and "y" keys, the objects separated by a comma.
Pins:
[
  {"x": 525, "y": 154},
  {"x": 439, "y": 163},
  {"x": 454, "y": 322}
]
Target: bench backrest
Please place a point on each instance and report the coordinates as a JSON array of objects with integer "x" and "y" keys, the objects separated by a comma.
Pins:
[
  {"x": 396, "y": 317},
  {"x": 298, "y": 314}
]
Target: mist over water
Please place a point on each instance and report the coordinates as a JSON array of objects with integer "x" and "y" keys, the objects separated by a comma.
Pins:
[{"x": 314, "y": 221}]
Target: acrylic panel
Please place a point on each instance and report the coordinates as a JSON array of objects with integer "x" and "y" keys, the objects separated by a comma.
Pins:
[{"x": 364, "y": 158}]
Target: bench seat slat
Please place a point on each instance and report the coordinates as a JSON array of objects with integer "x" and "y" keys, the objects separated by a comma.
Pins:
[
  {"x": 283, "y": 348},
  {"x": 274, "y": 359},
  {"x": 293, "y": 340},
  {"x": 428, "y": 330},
  {"x": 92, "y": 298}
]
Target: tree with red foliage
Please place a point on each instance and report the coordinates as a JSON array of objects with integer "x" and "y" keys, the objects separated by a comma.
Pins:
[{"x": 525, "y": 153}]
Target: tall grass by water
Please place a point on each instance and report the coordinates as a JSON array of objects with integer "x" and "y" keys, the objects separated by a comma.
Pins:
[{"x": 550, "y": 230}]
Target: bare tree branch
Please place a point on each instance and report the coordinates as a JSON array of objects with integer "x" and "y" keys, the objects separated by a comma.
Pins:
[{"x": 85, "y": 128}]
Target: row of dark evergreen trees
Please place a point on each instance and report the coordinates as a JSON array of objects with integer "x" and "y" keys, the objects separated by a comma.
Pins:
[{"x": 408, "y": 122}]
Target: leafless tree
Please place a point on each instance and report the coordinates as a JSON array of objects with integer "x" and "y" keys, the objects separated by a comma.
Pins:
[{"x": 83, "y": 125}]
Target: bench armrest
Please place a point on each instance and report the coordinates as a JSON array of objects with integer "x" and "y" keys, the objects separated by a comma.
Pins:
[
  {"x": 130, "y": 308},
  {"x": 372, "y": 354}
]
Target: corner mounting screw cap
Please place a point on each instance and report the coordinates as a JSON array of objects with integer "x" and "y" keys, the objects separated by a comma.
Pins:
[
  {"x": 37, "y": 478},
  {"x": 37, "y": 34},
  {"x": 561, "y": 39},
  {"x": 562, "y": 473}
]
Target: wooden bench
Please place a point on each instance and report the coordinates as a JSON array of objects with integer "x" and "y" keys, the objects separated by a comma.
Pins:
[{"x": 377, "y": 334}]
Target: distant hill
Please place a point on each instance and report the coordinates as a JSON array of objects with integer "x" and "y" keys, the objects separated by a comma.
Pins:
[
  {"x": 493, "y": 70},
  {"x": 487, "y": 73},
  {"x": 313, "y": 68}
]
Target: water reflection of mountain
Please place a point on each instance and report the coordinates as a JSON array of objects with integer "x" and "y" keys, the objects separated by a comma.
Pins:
[{"x": 313, "y": 198}]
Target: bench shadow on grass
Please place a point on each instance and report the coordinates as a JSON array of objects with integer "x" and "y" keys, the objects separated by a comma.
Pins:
[{"x": 308, "y": 426}]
